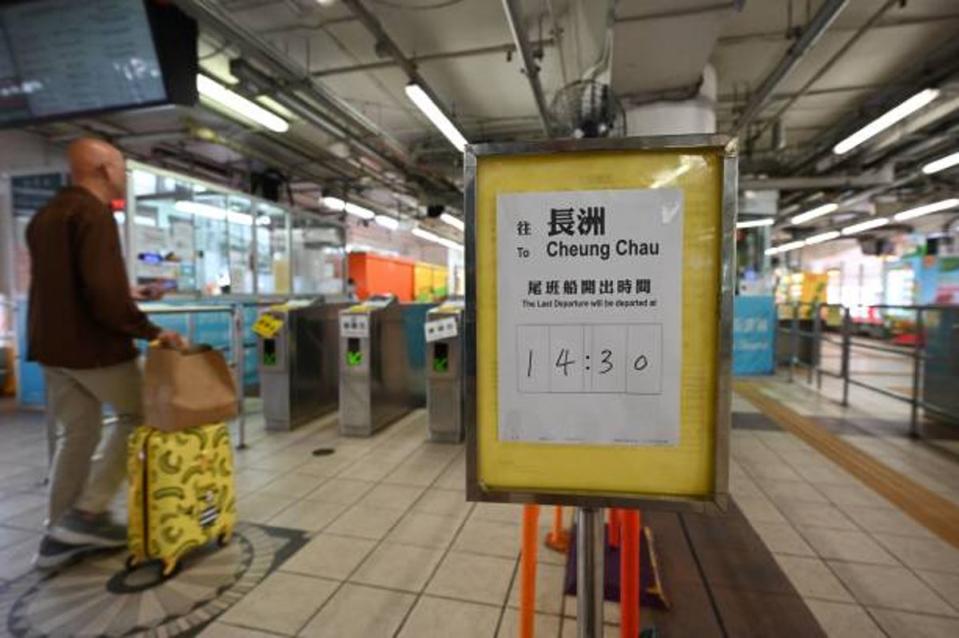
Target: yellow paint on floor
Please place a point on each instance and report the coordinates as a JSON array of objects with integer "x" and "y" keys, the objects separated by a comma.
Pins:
[{"x": 937, "y": 514}]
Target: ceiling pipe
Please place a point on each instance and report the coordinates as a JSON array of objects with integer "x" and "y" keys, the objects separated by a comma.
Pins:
[
  {"x": 386, "y": 44},
  {"x": 848, "y": 44},
  {"x": 530, "y": 68},
  {"x": 828, "y": 11},
  {"x": 508, "y": 49},
  {"x": 777, "y": 36},
  {"x": 878, "y": 178},
  {"x": 289, "y": 76},
  {"x": 681, "y": 13}
]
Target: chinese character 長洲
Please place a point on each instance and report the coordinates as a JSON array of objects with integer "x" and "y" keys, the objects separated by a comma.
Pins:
[
  {"x": 592, "y": 220},
  {"x": 561, "y": 221}
]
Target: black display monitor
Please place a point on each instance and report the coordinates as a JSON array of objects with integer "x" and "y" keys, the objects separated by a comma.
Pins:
[{"x": 61, "y": 59}]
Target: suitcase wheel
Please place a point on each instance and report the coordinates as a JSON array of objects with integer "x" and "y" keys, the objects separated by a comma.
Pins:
[
  {"x": 131, "y": 563},
  {"x": 169, "y": 567}
]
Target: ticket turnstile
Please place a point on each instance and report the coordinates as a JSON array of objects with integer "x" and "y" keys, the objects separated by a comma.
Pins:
[
  {"x": 299, "y": 375},
  {"x": 444, "y": 372},
  {"x": 382, "y": 363}
]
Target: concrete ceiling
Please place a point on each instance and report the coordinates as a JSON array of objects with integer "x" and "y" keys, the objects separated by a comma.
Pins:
[{"x": 464, "y": 50}]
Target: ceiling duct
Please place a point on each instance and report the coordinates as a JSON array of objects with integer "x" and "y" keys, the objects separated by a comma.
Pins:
[{"x": 661, "y": 51}]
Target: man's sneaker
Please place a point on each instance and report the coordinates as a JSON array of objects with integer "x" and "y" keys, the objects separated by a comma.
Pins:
[
  {"x": 53, "y": 553},
  {"x": 99, "y": 530}
]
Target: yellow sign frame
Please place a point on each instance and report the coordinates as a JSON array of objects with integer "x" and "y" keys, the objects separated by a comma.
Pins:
[{"x": 690, "y": 476}]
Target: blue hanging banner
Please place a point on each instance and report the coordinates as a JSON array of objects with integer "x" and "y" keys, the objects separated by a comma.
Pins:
[{"x": 754, "y": 335}]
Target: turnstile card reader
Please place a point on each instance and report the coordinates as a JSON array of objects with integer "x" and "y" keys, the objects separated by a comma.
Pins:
[
  {"x": 381, "y": 372},
  {"x": 444, "y": 385},
  {"x": 297, "y": 358}
]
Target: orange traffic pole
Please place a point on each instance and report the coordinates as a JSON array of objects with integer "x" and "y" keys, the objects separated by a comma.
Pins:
[
  {"x": 527, "y": 571},
  {"x": 615, "y": 520},
  {"x": 558, "y": 538},
  {"x": 629, "y": 583}
]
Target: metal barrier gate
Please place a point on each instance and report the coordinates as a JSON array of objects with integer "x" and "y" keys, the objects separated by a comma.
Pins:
[{"x": 802, "y": 338}]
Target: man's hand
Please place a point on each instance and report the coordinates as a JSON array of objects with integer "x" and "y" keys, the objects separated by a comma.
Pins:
[
  {"x": 148, "y": 292},
  {"x": 172, "y": 339}
]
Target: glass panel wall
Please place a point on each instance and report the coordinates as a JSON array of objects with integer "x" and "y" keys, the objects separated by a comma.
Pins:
[
  {"x": 319, "y": 256},
  {"x": 240, "y": 232},
  {"x": 272, "y": 251},
  {"x": 162, "y": 231},
  {"x": 195, "y": 237}
]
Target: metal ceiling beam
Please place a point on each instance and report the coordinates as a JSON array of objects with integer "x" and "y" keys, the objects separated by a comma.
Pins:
[
  {"x": 514, "y": 16},
  {"x": 824, "y": 69},
  {"x": 817, "y": 182},
  {"x": 780, "y": 35},
  {"x": 507, "y": 48},
  {"x": 680, "y": 13},
  {"x": 386, "y": 44},
  {"x": 291, "y": 77},
  {"x": 828, "y": 11}
]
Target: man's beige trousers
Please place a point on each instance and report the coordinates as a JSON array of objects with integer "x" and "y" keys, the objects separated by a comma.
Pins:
[{"x": 83, "y": 476}]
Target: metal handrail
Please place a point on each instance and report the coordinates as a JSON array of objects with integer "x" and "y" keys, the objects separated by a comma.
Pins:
[{"x": 917, "y": 353}]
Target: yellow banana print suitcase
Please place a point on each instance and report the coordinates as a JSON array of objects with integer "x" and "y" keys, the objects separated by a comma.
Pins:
[{"x": 182, "y": 492}]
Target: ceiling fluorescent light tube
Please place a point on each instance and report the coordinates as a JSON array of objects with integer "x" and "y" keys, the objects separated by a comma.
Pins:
[
  {"x": 886, "y": 120},
  {"x": 455, "y": 222},
  {"x": 359, "y": 211},
  {"x": 334, "y": 203},
  {"x": 242, "y": 219},
  {"x": 941, "y": 164},
  {"x": 819, "y": 211},
  {"x": 428, "y": 236},
  {"x": 782, "y": 248},
  {"x": 919, "y": 211},
  {"x": 235, "y": 102},
  {"x": 755, "y": 223},
  {"x": 821, "y": 237},
  {"x": 200, "y": 210},
  {"x": 434, "y": 114},
  {"x": 390, "y": 223},
  {"x": 866, "y": 225},
  {"x": 341, "y": 206}
]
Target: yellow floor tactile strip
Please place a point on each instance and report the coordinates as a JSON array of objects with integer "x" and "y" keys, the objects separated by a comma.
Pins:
[{"x": 939, "y": 515}]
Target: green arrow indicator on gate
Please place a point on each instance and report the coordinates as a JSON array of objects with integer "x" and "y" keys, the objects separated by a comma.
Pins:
[
  {"x": 354, "y": 358},
  {"x": 441, "y": 364}
]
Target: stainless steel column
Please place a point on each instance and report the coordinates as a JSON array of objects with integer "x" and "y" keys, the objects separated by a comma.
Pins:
[
  {"x": 238, "y": 361},
  {"x": 589, "y": 571}
]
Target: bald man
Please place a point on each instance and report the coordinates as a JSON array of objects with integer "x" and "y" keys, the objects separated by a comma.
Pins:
[{"x": 82, "y": 323}]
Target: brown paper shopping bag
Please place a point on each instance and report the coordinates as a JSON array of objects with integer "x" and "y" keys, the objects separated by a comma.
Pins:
[{"x": 187, "y": 388}]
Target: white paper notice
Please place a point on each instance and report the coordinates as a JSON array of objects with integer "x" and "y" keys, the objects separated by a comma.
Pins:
[
  {"x": 589, "y": 294},
  {"x": 354, "y": 325}
]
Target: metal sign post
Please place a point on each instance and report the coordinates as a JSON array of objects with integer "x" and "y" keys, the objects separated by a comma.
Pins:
[{"x": 589, "y": 571}]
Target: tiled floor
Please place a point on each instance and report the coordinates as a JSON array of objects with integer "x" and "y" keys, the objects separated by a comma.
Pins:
[
  {"x": 395, "y": 550},
  {"x": 863, "y": 567}
]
